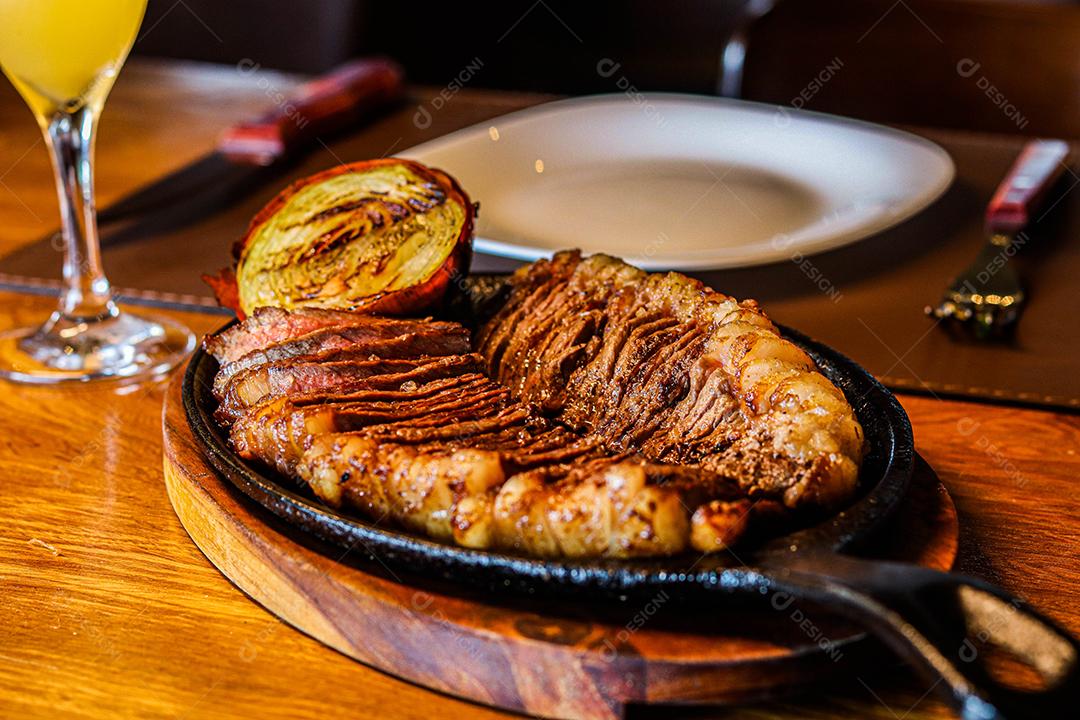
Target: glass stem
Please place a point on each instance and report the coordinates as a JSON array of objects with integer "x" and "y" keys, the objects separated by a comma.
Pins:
[{"x": 87, "y": 296}]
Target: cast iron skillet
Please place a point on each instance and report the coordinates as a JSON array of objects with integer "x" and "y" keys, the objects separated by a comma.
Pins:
[{"x": 940, "y": 622}]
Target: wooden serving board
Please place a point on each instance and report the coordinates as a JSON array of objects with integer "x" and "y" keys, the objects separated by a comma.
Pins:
[{"x": 540, "y": 657}]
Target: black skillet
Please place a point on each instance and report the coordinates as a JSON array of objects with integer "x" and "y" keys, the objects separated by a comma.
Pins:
[{"x": 942, "y": 623}]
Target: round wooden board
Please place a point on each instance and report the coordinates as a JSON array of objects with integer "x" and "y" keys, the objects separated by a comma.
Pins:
[{"x": 540, "y": 657}]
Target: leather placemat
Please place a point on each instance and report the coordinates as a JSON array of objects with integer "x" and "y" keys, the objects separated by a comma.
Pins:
[{"x": 866, "y": 300}]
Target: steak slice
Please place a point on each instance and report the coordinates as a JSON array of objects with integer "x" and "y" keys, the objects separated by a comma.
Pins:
[
  {"x": 269, "y": 326},
  {"x": 301, "y": 376},
  {"x": 278, "y": 430},
  {"x": 386, "y": 341},
  {"x": 663, "y": 366}
]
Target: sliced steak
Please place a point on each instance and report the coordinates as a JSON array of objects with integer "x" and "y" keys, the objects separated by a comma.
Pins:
[
  {"x": 277, "y": 431},
  {"x": 269, "y": 326},
  {"x": 606, "y": 413},
  {"x": 663, "y": 366},
  {"x": 304, "y": 377},
  {"x": 374, "y": 340},
  {"x": 439, "y": 447}
]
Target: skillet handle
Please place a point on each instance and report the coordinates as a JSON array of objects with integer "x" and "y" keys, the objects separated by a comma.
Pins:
[{"x": 945, "y": 625}]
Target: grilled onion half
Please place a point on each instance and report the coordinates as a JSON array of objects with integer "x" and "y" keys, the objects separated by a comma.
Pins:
[{"x": 386, "y": 236}]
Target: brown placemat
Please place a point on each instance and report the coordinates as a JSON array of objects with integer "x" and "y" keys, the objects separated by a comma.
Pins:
[{"x": 866, "y": 300}]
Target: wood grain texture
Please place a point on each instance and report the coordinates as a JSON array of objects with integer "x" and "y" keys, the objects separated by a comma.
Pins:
[
  {"x": 543, "y": 658},
  {"x": 109, "y": 610}
]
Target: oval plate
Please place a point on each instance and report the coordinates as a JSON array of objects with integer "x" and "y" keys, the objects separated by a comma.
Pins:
[
  {"x": 883, "y": 481},
  {"x": 685, "y": 182}
]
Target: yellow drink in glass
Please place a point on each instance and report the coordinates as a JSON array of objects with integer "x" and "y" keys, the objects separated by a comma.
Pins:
[
  {"x": 62, "y": 54},
  {"x": 63, "y": 57}
]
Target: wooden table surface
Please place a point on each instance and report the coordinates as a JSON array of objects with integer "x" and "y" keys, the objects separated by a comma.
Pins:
[{"x": 108, "y": 610}]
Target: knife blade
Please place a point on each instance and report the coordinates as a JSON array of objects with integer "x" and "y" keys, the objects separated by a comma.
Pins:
[
  {"x": 126, "y": 296},
  {"x": 251, "y": 152}
]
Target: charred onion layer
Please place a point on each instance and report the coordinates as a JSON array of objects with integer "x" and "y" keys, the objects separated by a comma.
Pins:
[{"x": 385, "y": 236}]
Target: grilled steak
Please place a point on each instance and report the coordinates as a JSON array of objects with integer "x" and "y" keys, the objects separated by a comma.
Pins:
[
  {"x": 393, "y": 339},
  {"x": 269, "y": 325},
  {"x": 307, "y": 376},
  {"x": 281, "y": 428},
  {"x": 608, "y": 413},
  {"x": 665, "y": 367}
]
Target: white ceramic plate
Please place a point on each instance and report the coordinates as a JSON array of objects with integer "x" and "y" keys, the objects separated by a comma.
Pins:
[{"x": 685, "y": 182}]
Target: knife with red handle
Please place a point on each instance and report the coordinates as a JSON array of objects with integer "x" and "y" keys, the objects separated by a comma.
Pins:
[
  {"x": 322, "y": 106},
  {"x": 1035, "y": 171},
  {"x": 251, "y": 152}
]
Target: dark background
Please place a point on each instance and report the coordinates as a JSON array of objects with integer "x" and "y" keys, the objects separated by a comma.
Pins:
[{"x": 899, "y": 58}]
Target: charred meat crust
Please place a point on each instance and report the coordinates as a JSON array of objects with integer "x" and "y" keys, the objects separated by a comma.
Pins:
[
  {"x": 298, "y": 376},
  {"x": 604, "y": 413},
  {"x": 382, "y": 339},
  {"x": 663, "y": 366}
]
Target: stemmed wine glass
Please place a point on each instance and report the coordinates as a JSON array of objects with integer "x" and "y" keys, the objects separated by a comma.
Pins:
[{"x": 63, "y": 57}]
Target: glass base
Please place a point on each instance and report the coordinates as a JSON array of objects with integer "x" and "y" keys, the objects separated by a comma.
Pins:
[{"x": 123, "y": 346}]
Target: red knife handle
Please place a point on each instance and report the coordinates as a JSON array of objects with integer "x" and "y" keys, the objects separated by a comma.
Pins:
[
  {"x": 1031, "y": 176},
  {"x": 320, "y": 106}
]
